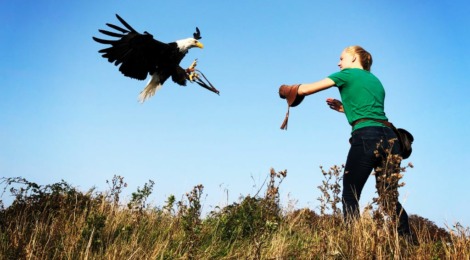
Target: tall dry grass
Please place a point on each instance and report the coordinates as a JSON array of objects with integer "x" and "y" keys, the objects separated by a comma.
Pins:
[{"x": 59, "y": 222}]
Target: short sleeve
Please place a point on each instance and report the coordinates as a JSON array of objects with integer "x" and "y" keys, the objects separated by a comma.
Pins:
[{"x": 340, "y": 78}]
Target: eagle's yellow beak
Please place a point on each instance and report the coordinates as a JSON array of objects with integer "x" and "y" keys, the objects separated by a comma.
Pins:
[{"x": 199, "y": 45}]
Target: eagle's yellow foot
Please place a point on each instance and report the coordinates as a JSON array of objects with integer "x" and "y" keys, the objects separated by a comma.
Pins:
[
  {"x": 193, "y": 65},
  {"x": 193, "y": 75},
  {"x": 191, "y": 71}
]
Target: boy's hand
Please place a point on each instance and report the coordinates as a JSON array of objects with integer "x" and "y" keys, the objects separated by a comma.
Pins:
[{"x": 335, "y": 104}]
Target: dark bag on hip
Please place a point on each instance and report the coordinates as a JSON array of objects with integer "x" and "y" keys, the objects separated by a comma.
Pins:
[{"x": 406, "y": 138}]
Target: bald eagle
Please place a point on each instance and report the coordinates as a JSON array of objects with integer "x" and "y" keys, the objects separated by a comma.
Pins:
[{"x": 139, "y": 55}]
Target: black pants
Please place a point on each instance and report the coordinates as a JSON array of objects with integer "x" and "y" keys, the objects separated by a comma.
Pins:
[{"x": 359, "y": 165}]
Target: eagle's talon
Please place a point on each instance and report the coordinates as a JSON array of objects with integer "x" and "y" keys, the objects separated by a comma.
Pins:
[
  {"x": 193, "y": 65},
  {"x": 193, "y": 75},
  {"x": 190, "y": 70}
]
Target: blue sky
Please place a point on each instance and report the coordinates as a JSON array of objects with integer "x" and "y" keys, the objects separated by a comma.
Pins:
[{"x": 66, "y": 113}]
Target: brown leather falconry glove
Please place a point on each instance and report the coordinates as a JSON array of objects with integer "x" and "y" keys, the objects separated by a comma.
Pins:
[{"x": 289, "y": 92}]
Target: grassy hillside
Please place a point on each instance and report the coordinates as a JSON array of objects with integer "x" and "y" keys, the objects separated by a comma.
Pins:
[{"x": 57, "y": 221}]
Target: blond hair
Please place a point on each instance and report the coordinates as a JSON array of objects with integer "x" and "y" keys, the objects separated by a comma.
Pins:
[{"x": 364, "y": 56}]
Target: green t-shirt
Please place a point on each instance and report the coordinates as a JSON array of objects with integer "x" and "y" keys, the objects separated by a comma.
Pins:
[{"x": 362, "y": 95}]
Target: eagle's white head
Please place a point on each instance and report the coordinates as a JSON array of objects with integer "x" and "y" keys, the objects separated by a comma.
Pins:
[{"x": 185, "y": 44}]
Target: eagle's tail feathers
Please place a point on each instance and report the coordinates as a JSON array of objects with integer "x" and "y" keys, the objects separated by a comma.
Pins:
[{"x": 152, "y": 87}]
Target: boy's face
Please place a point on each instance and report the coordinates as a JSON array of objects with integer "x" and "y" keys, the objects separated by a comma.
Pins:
[{"x": 346, "y": 60}]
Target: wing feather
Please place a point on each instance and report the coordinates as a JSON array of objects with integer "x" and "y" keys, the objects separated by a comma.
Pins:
[
  {"x": 104, "y": 41},
  {"x": 125, "y": 23},
  {"x": 117, "y": 28},
  {"x": 111, "y": 33},
  {"x": 136, "y": 54}
]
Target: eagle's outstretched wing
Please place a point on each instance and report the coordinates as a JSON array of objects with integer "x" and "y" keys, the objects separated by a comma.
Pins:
[{"x": 137, "y": 54}]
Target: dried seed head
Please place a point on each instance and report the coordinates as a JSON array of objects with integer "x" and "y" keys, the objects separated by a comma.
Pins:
[{"x": 273, "y": 172}]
